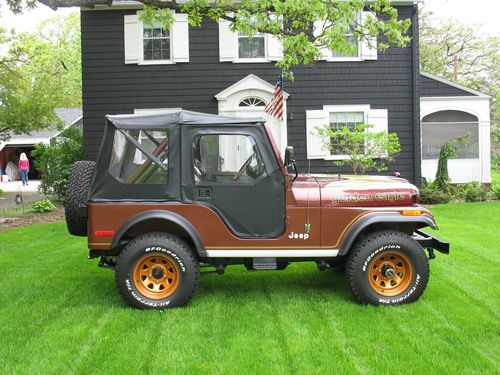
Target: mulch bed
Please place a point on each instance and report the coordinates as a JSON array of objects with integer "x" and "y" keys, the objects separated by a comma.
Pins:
[{"x": 31, "y": 218}]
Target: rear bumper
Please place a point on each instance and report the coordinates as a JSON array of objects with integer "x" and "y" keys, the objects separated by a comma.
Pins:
[{"x": 428, "y": 241}]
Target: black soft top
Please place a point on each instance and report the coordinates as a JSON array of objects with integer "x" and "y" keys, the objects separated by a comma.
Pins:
[{"x": 162, "y": 120}]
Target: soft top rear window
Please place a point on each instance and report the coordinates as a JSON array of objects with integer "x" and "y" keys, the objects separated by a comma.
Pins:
[{"x": 140, "y": 156}]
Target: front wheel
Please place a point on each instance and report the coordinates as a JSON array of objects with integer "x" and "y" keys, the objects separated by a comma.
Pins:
[
  {"x": 157, "y": 271},
  {"x": 387, "y": 267}
]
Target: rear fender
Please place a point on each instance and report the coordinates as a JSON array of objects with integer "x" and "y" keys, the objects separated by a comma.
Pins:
[{"x": 169, "y": 218}]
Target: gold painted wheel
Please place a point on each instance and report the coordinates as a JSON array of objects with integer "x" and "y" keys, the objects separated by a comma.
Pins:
[
  {"x": 390, "y": 274},
  {"x": 156, "y": 276}
]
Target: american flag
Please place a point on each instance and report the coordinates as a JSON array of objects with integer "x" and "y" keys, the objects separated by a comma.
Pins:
[{"x": 275, "y": 106}]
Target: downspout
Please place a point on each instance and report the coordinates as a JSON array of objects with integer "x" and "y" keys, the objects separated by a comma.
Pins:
[{"x": 417, "y": 154}]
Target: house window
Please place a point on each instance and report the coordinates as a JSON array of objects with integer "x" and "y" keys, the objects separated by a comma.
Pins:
[
  {"x": 439, "y": 127},
  {"x": 339, "y": 120},
  {"x": 345, "y": 54},
  {"x": 156, "y": 44},
  {"x": 252, "y": 102},
  {"x": 251, "y": 47},
  {"x": 152, "y": 45}
]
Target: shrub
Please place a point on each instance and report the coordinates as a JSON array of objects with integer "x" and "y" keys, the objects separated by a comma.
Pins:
[
  {"x": 495, "y": 190},
  {"x": 450, "y": 149},
  {"x": 43, "y": 205},
  {"x": 365, "y": 149},
  {"x": 1, "y": 191},
  {"x": 431, "y": 194},
  {"x": 475, "y": 192},
  {"x": 55, "y": 161}
]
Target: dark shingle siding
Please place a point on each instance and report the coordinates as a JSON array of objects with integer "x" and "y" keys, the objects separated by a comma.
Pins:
[
  {"x": 431, "y": 87},
  {"x": 111, "y": 87}
]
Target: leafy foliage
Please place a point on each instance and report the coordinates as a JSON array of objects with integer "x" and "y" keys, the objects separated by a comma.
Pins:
[
  {"x": 55, "y": 161},
  {"x": 292, "y": 21},
  {"x": 450, "y": 149},
  {"x": 431, "y": 194},
  {"x": 365, "y": 150},
  {"x": 41, "y": 71},
  {"x": 475, "y": 192},
  {"x": 43, "y": 205}
]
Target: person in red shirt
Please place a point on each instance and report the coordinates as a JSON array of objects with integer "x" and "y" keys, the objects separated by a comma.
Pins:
[{"x": 24, "y": 167}]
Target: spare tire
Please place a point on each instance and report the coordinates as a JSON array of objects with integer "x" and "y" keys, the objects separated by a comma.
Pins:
[{"x": 77, "y": 192}]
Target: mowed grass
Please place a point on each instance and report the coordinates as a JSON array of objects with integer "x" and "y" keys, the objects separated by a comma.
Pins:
[{"x": 60, "y": 314}]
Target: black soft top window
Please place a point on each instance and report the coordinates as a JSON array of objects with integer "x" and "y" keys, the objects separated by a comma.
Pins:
[{"x": 140, "y": 156}]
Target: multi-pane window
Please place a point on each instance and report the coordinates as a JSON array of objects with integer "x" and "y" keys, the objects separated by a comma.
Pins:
[
  {"x": 252, "y": 101},
  {"x": 156, "y": 44},
  {"x": 345, "y": 54},
  {"x": 339, "y": 120},
  {"x": 251, "y": 47}
]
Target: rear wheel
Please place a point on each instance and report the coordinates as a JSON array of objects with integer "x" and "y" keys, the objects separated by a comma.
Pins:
[
  {"x": 387, "y": 267},
  {"x": 157, "y": 271},
  {"x": 77, "y": 192}
]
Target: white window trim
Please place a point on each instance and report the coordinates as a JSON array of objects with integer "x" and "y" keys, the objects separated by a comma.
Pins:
[
  {"x": 250, "y": 59},
  {"x": 347, "y": 108},
  {"x": 155, "y": 62}
]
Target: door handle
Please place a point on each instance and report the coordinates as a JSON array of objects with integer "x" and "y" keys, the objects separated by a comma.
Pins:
[{"x": 204, "y": 193}]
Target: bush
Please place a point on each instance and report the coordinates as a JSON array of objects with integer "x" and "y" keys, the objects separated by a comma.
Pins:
[
  {"x": 1, "y": 191},
  {"x": 55, "y": 161},
  {"x": 475, "y": 192},
  {"x": 430, "y": 194},
  {"x": 495, "y": 190},
  {"x": 43, "y": 205}
]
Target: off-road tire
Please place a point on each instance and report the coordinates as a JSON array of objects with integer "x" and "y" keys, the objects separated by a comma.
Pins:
[
  {"x": 379, "y": 249},
  {"x": 169, "y": 248},
  {"x": 77, "y": 192}
]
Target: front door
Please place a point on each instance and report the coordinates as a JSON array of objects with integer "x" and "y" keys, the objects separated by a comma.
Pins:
[{"x": 234, "y": 172}]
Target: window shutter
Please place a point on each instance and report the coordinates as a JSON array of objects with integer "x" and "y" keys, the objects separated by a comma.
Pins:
[
  {"x": 318, "y": 29},
  {"x": 180, "y": 38},
  {"x": 132, "y": 39},
  {"x": 274, "y": 48},
  {"x": 315, "y": 147},
  {"x": 368, "y": 46},
  {"x": 228, "y": 42},
  {"x": 379, "y": 119}
]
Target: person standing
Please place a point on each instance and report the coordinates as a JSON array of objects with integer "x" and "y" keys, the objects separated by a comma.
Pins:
[{"x": 24, "y": 167}]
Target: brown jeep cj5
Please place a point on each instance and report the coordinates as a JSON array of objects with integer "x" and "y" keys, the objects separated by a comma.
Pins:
[{"x": 170, "y": 192}]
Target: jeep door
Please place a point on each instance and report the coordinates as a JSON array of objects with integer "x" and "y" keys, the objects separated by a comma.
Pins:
[{"x": 233, "y": 171}]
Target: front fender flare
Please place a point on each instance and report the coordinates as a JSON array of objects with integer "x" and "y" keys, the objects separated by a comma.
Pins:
[
  {"x": 166, "y": 216},
  {"x": 381, "y": 218}
]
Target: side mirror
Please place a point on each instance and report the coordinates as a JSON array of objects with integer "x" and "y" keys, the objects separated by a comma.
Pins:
[{"x": 289, "y": 156}]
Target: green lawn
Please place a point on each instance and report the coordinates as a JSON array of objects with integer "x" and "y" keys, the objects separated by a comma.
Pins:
[{"x": 60, "y": 314}]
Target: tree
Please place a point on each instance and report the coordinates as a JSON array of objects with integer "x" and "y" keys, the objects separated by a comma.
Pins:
[
  {"x": 55, "y": 161},
  {"x": 365, "y": 149},
  {"x": 292, "y": 21},
  {"x": 41, "y": 71}
]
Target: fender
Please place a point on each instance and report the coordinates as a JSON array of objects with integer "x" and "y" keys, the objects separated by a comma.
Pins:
[
  {"x": 166, "y": 216},
  {"x": 352, "y": 235}
]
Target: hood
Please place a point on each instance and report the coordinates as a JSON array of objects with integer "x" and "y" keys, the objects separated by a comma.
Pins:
[{"x": 360, "y": 191}]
